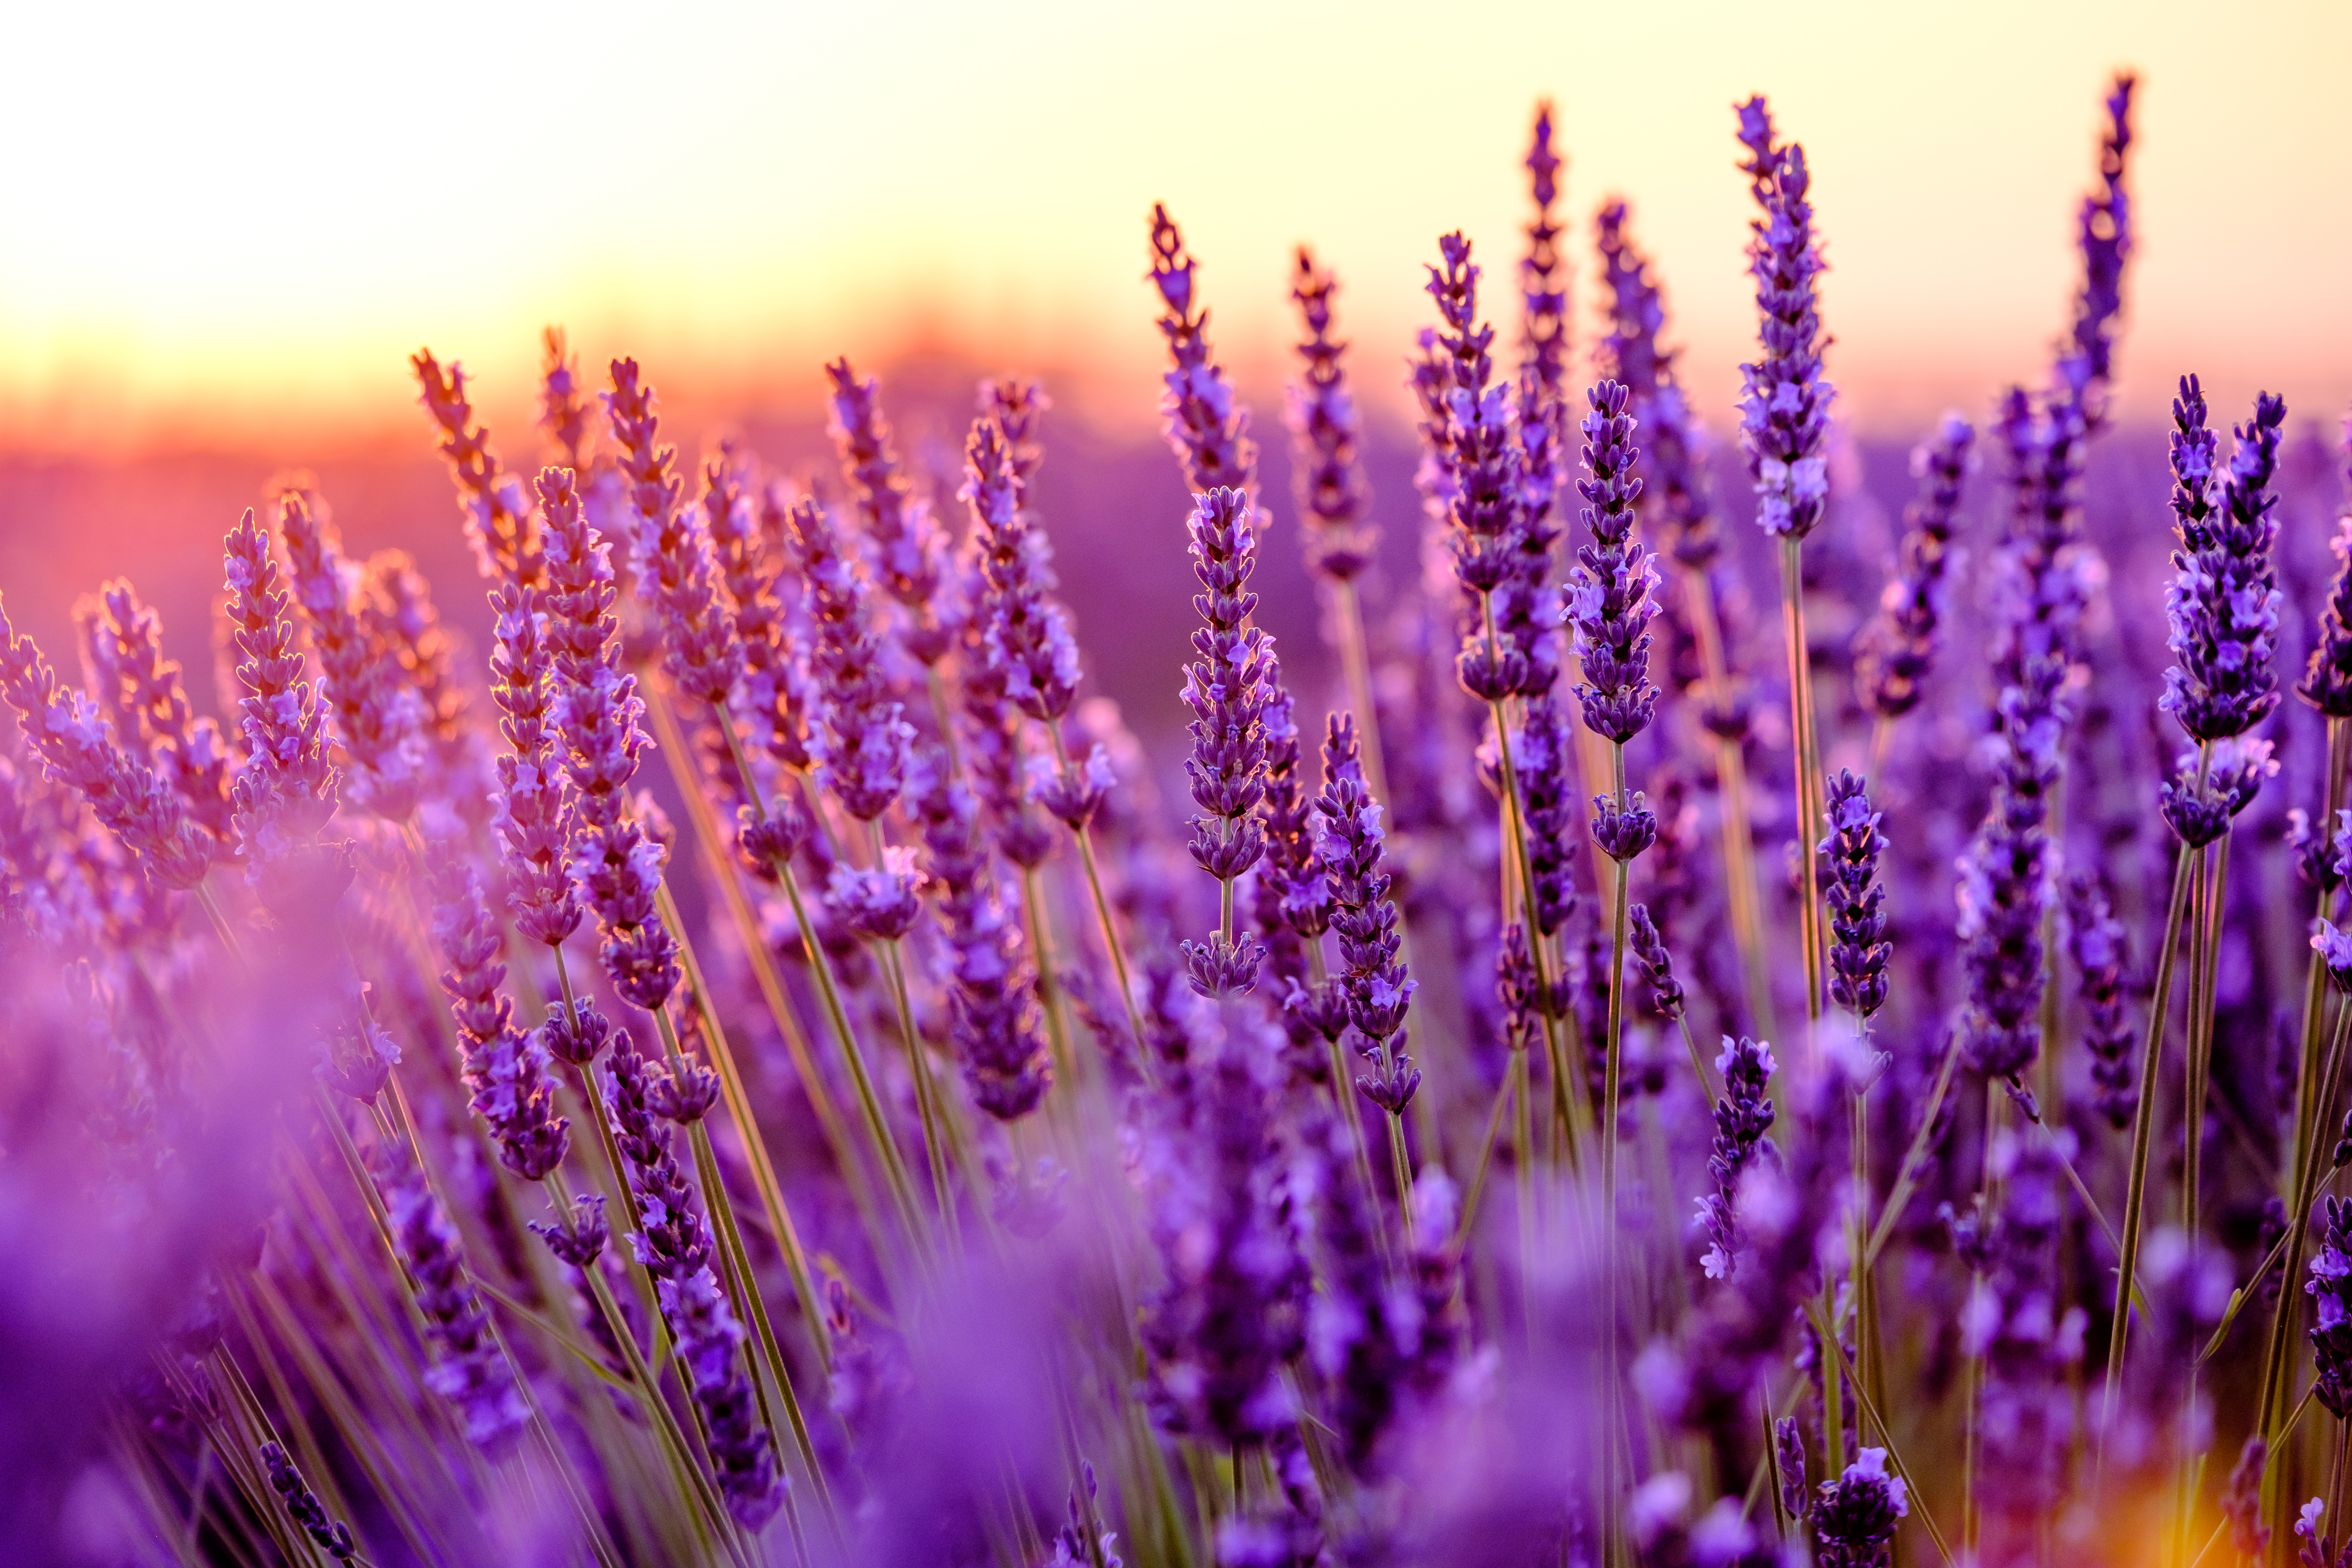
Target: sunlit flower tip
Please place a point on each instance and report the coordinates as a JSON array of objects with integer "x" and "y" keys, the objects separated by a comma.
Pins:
[
  {"x": 1072, "y": 794},
  {"x": 1216, "y": 967}
]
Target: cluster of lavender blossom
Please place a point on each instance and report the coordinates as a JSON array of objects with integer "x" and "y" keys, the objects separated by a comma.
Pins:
[{"x": 761, "y": 1078}]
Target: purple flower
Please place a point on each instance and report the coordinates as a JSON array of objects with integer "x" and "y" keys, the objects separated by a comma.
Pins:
[
  {"x": 1895, "y": 652},
  {"x": 2095, "y": 941},
  {"x": 506, "y": 1069},
  {"x": 1623, "y": 831},
  {"x": 878, "y": 902},
  {"x": 1227, "y": 687},
  {"x": 907, "y": 558},
  {"x": 563, "y": 406},
  {"x": 1543, "y": 281},
  {"x": 1364, "y": 915},
  {"x": 699, "y": 646},
  {"x": 1656, "y": 965},
  {"x": 1210, "y": 436},
  {"x": 862, "y": 748},
  {"x": 2335, "y": 949},
  {"x": 1229, "y": 1312},
  {"x": 2223, "y": 603},
  {"x": 1674, "y": 448},
  {"x": 1026, "y": 640},
  {"x": 2106, "y": 241},
  {"x": 1859, "y": 947},
  {"x": 499, "y": 522},
  {"x": 1325, "y": 433},
  {"x": 287, "y": 790},
  {"x": 1470, "y": 441},
  {"x": 377, "y": 717},
  {"x": 616, "y": 866},
  {"x": 773, "y": 691},
  {"x": 995, "y": 1024},
  {"x": 67, "y": 735},
  {"x": 2326, "y": 684},
  {"x": 142, "y": 690},
  {"x": 1855, "y": 1516},
  {"x": 468, "y": 1370},
  {"x": 333, "y": 1537},
  {"x": 1546, "y": 769},
  {"x": 1612, "y": 589},
  {"x": 1784, "y": 404},
  {"x": 1743, "y": 1116},
  {"x": 535, "y": 819}
]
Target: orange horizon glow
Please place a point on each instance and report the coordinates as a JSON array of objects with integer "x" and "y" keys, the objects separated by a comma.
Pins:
[{"x": 228, "y": 236}]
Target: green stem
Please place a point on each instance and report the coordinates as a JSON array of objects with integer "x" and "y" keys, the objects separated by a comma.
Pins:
[
  {"x": 1808, "y": 749},
  {"x": 1109, "y": 928},
  {"x": 2143, "y": 1130}
]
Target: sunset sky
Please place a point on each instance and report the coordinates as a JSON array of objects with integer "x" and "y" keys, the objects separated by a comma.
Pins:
[{"x": 226, "y": 226}]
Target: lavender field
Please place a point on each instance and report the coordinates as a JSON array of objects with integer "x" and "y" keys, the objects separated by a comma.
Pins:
[{"x": 1556, "y": 986}]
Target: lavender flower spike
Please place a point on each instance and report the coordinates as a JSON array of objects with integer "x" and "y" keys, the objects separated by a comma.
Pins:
[
  {"x": 2095, "y": 942},
  {"x": 67, "y": 733},
  {"x": 1209, "y": 434},
  {"x": 2224, "y": 603},
  {"x": 1856, "y": 1515},
  {"x": 1613, "y": 590},
  {"x": 468, "y": 1369},
  {"x": 862, "y": 750},
  {"x": 148, "y": 695},
  {"x": 1859, "y": 947},
  {"x": 1227, "y": 687},
  {"x": 499, "y": 522},
  {"x": 1024, "y": 630},
  {"x": 332, "y": 1535},
  {"x": 2326, "y": 684},
  {"x": 675, "y": 1248},
  {"x": 1325, "y": 434},
  {"x": 1364, "y": 918},
  {"x": 2106, "y": 241},
  {"x": 616, "y": 865},
  {"x": 1742, "y": 1118},
  {"x": 1898, "y": 649},
  {"x": 700, "y": 647},
  {"x": 1784, "y": 404},
  {"x": 906, "y": 550},
  {"x": 378, "y": 718},
  {"x": 1674, "y": 447}
]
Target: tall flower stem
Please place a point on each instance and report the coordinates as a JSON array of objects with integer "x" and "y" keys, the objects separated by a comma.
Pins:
[
  {"x": 718, "y": 853},
  {"x": 755, "y": 1149},
  {"x": 1731, "y": 782},
  {"x": 878, "y": 1127},
  {"x": 2312, "y": 1107},
  {"x": 1102, "y": 916},
  {"x": 1611, "y": 1076},
  {"x": 1806, "y": 740},
  {"x": 1343, "y": 1102},
  {"x": 737, "y": 1259},
  {"x": 1569, "y": 1101},
  {"x": 927, "y": 1091},
  {"x": 1034, "y": 923},
  {"x": 675, "y": 1444},
  {"x": 2143, "y": 1128},
  {"x": 1356, "y": 665}
]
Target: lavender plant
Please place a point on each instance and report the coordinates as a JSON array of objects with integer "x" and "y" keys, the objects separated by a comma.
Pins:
[{"x": 319, "y": 1125}]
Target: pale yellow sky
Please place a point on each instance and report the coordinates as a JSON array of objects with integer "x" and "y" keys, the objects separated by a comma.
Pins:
[{"x": 230, "y": 225}]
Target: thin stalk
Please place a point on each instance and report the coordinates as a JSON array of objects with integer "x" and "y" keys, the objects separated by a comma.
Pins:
[
  {"x": 722, "y": 865},
  {"x": 1102, "y": 916},
  {"x": 2276, "y": 1358},
  {"x": 680, "y": 1448},
  {"x": 1973, "y": 1435},
  {"x": 1579, "y": 1114},
  {"x": 737, "y": 1260},
  {"x": 1346, "y": 612},
  {"x": 1049, "y": 986},
  {"x": 755, "y": 1147},
  {"x": 1866, "y": 1293},
  {"x": 1512, "y": 1093},
  {"x": 1893, "y": 1455},
  {"x": 2143, "y": 1130},
  {"x": 1343, "y": 1102},
  {"x": 1806, "y": 741},
  {"x": 2215, "y": 877},
  {"x": 927, "y": 1093},
  {"x": 1732, "y": 781},
  {"x": 1612, "y": 1071},
  {"x": 877, "y": 1129}
]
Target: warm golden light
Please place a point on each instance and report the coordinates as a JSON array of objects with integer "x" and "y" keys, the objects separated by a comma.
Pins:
[{"x": 232, "y": 231}]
